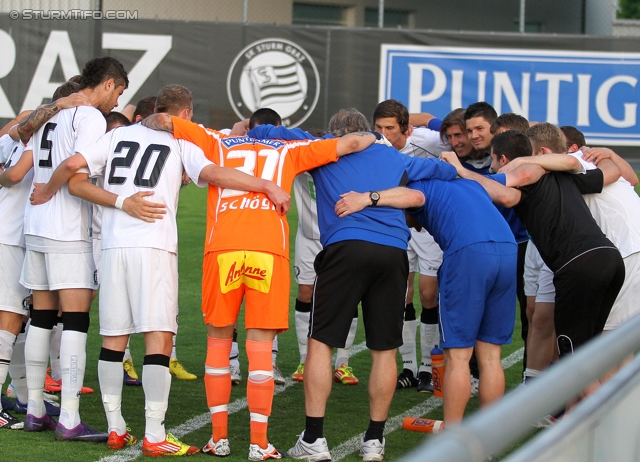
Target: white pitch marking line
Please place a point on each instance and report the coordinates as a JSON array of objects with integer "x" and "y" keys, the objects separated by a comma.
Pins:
[
  {"x": 201, "y": 420},
  {"x": 353, "y": 444}
]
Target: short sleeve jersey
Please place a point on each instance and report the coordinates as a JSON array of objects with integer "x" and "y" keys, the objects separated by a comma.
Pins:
[
  {"x": 134, "y": 159},
  {"x": 64, "y": 217},
  {"x": 245, "y": 220},
  {"x": 617, "y": 211},
  {"x": 459, "y": 213},
  {"x": 13, "y": 200},
  {"x": 376, "y": 168},
  {"x": 557, "y": 218}
]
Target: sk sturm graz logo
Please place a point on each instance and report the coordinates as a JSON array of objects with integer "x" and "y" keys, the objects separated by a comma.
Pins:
[{"x": 274, "y": 73}]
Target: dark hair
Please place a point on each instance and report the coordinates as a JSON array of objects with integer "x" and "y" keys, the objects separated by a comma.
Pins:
[
  {"x": 101, "y": 69},
  {"x": 511, "y": 144},
  {"x": 264, "y": 116},
  {"x": 393, "y": 108},
  {"x": 573, "y": 136},
  {"x": 511, "y": 121},
  {"x": 453, "y": 119},
  {"x": 116, "y": 119},
  {"x": 76, "y": 79},
  {"x": 145, "y": 107},
  {"x": 547, "y": 135},
  {"x": 66, "y": 89},
  {"x": 348, "y": 121},
  {"x": 173, "y": 99},
  {"x": 481, "y": 109}
]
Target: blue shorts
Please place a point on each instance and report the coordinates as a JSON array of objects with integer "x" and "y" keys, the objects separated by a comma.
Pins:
[{"x": 477, "y": 287}]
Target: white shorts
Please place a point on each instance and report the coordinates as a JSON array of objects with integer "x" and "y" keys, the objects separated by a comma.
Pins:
[
  {"x": 55, "y": 271},
  {"x": 424, "y": 253},
  {"x": 627, "y": 305},
  {"x": 97, "y": 256},
  {"x": 538, "y": 278},
  {"x": 138, "y": 291},
  {"x": 305, "y": 255},
  {"x": 12, "y": 293}
]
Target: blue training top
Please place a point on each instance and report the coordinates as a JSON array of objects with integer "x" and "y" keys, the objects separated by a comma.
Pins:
[
  {"x": 459, "y": 213},
  {"x": 517, "y": 228}
]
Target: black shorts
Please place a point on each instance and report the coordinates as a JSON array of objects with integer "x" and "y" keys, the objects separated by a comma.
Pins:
[{"x": 350, "y": 272}]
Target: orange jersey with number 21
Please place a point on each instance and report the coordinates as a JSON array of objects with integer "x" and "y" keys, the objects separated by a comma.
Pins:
[{"x": 244, "y": 220}]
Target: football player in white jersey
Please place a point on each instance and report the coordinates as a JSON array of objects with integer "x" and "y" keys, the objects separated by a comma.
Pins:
[
  {"x": 140, "y": 257},
  {"x": 392, "y": 119},
  {"x": 59, "y": 266}
]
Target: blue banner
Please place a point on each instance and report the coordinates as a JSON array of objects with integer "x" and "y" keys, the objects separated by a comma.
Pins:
[{"x": 593, "y": 91}]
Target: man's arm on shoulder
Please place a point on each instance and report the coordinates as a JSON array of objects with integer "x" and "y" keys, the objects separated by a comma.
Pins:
[
  {"x": 551, "y": 162},
  {"x": 502, "y": 195},
  {"x": 161, "y": 121},
  {"x": 135, "y": 205},
  {"x": 596, "y": 155},
  {"x": 37, "y": 118},
  {"x": 354, "y": 142},
  {"x": 270, "y": 132},
  {"x": 14, "y": 174},
  {"x": 230, "y": 178},
  {"x": 398, "y": 198},
  {"x": 19, "y": 118}
]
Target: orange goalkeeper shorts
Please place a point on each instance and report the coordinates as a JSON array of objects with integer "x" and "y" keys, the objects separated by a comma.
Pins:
[{"x": 229, "y": 276}]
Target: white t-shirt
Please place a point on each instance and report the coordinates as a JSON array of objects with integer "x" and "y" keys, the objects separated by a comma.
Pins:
[
  {"x": 13, "y": 200},
  {"x": 424, "y": 142},
  {"x": 617, "y": 211},
  {"x": 304, "y": 190},
  {"x": 64, "y": 217},
  {"x": 136, "y": 158}
]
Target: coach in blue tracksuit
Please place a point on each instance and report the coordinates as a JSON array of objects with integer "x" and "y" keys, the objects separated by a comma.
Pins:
[
  {"x": 477, "y": 279},
  {"x": 364, "y": 259}
]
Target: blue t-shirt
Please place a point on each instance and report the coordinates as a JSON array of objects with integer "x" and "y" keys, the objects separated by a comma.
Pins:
[
  {"x": 459, "y": 213},
  {"x": 377, "y": 168},
  {"x": 517, "y": 228}
]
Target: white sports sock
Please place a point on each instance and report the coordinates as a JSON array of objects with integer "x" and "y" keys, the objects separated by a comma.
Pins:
[
  {"x": 7, "y": 340},
  {"x": 156, "y": 383},
  {"x": 73, "y": 361},
  {"x": 17, "y": 369},
  {"x": 36, "y": 352},
  {"x": 274, "y": 350},
  {"x": 173, "y": 352},
  {"x": 343, "y": 354},
  {"x": 429, "y": 337},
  {"x": 234, "y": 355},
  {"x": 127, "y": 352},
  {"x": 54, "y": 351},
  {"x": 408, "y": 348},
  {"x": 528, "y": 372},
  {"x": 109, "y": 375},
  {"x": 302, "y": 330}
]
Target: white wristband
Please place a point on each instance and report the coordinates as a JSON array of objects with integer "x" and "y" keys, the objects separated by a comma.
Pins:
[{"x": 119, "y": 202}]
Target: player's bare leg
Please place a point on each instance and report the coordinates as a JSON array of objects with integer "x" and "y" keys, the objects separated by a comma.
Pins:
[
  {"x": 491, "y": 373},
  {"x": 456, "y": 387}
]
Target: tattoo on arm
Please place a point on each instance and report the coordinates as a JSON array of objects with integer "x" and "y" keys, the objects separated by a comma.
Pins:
[
  {"x": 159, "y": 122},
  {"x": 31, "y": 124}
]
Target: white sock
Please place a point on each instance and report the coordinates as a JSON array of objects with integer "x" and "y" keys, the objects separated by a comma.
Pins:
[
  {"x": 109, "y": 373},
  {"x": 156, "y": 383},
  {"x": 234, "y": 355},
  {"x": 531, "y": 373},
  {"x": 17, "y": 369},
  {"x": 302, "y": 330},
  {"x": 36, "y": 352},
  {"x": 7, "y": 339},
  {"x": 54, "y": 351},
  {"x": 127, "y": 352},
  {"x": 73, "y": 361},
  {"x": 343, "y": 354},
  {"x": 274, "y": 351},
  {"x": 408, "y": 348},
  {"x": 173, "y": 352},
  {"x": 429, "y": 337}
]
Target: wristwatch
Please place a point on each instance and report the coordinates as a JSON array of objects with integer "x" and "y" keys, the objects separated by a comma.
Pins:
[{"x": 375, "y": 197}]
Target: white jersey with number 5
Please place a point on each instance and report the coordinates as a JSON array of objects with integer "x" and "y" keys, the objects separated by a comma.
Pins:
[
  {"x": 134, "y": 159},
  {"x": 64, "y": 217}
]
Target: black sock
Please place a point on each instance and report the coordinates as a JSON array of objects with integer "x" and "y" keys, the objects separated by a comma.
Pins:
[
  {"x": 375, "y": 430},
  {"x": 313, "y": 429}
]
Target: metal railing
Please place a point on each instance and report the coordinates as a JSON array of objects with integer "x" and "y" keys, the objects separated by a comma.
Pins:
[{"x": 492, "y": 431}]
